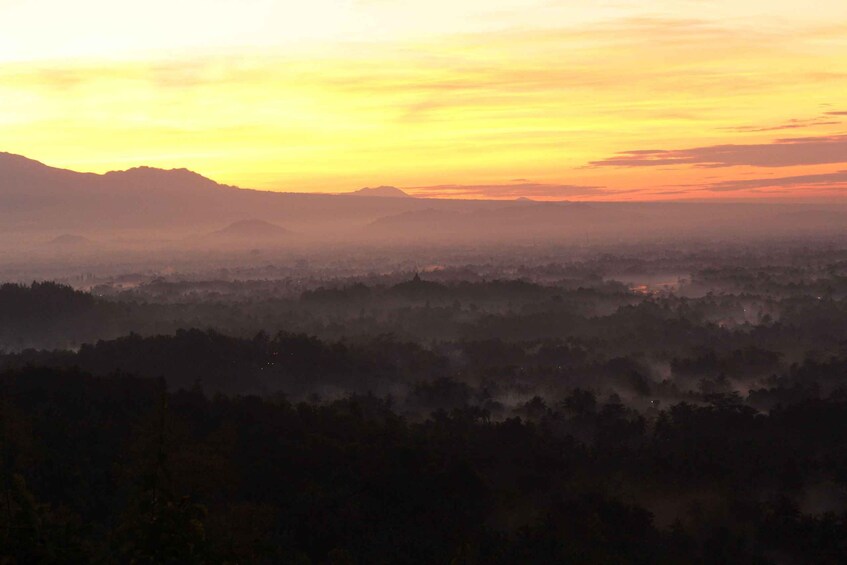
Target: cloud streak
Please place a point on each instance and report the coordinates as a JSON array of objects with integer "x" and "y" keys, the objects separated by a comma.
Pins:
[
  {"x": 790, "y": 124},
  {"x": 510, "y": 191},
  {"x": 473, "y": 107},
  {"x": 786, "y": 152},
  {"x": 824, "y": 180}
]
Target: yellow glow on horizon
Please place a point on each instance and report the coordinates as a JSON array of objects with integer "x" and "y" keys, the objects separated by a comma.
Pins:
[{"x": 462, "y": 104}]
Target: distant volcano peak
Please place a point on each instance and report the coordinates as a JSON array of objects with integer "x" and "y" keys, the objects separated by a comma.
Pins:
[
  {"x": 381, "y": 191},
  {"x": 253, "y": 229}
]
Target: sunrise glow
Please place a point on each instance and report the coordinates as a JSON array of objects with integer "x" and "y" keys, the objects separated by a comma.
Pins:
[{"x": 498, "y": 99}]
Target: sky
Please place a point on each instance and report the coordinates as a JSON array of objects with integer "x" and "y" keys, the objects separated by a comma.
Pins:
[{"x": 546, "y": 99}]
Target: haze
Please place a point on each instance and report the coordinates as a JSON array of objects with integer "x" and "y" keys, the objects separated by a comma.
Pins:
[{"x": 493, "y": 282}]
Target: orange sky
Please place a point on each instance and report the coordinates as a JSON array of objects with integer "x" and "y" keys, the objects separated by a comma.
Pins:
[{"x": 495, "y": 99}]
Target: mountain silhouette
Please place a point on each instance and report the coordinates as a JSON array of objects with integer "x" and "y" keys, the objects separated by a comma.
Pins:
[
  {"x": 38, "y": 197},
  {"x": 21, "y": 175},
  {"x": 150, "y": 178},
  {"x": 35, "y": 195},
  {"x": 156, "y": 204}
]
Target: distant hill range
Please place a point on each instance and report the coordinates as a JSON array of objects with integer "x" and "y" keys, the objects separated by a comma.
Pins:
[{"x": 38, "y": 198}]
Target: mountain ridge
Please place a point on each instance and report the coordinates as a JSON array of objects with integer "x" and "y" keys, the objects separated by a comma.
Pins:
[{"x": 36, "y": 197}]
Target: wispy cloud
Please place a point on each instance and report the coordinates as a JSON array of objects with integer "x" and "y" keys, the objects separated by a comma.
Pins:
[
  {"x": 510, "y": 191},
  {"x": 473, "y": 107},
  {"x": 790, "y": 124},
  {"x": 826, "y": 180},
  {"x": 779, "y": 153}
]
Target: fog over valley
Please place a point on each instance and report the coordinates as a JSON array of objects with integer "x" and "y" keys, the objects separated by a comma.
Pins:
[{"x": 500, "y": 282}]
